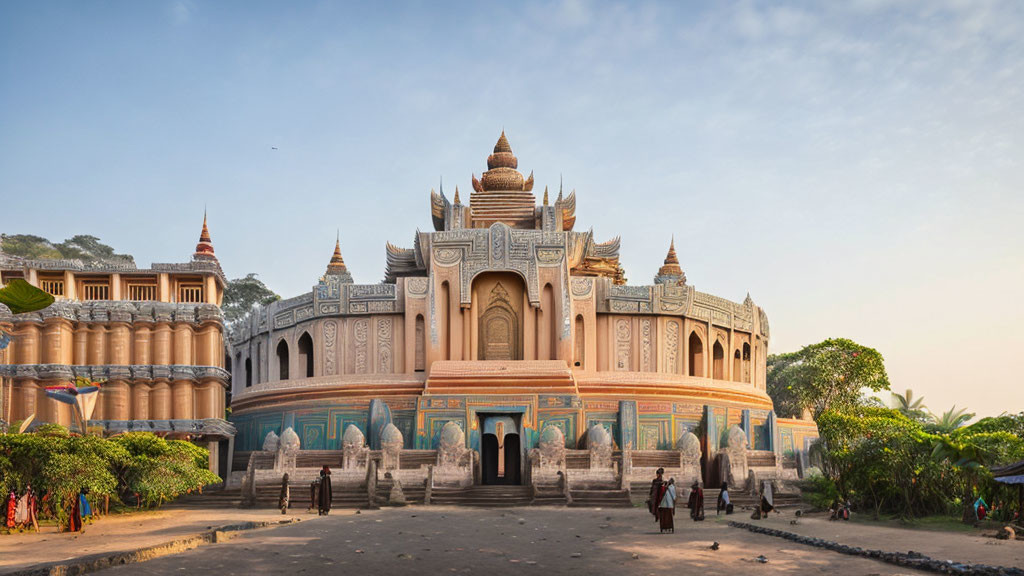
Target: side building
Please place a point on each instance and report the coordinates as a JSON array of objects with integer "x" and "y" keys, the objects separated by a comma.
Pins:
[{"x": 154, "y": 338}]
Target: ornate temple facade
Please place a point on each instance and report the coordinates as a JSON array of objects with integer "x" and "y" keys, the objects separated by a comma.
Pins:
[
  {"x": 153, "y": 339},
  {"x": 506, "y": 334}
]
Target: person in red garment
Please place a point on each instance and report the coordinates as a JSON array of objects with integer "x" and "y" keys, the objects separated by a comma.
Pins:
[{"x": 12, "y": 504}]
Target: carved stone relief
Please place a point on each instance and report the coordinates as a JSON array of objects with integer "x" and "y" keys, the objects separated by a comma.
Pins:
[
  {"x": 330, "y": 352},
  {"x": 646, "y": 358},
  {"x": 672, "y": 347},
  {"x": 623, "y": 344},
  {"x": 360, "y": 331},
  {"x": 385, "y": 357}
]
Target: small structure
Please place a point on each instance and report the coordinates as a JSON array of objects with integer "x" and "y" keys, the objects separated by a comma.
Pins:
[
  {"x": 270, "y": 442},
  {"x": 287, "y": 449},
  {"x": 454, "y": 460},
  {"x": 353, "y": 448},
  {"x": 732, "y": 460},
  {"x": 391, "y": 444},
  {"x": 599, "y": 442},
  {"x": 689, "y": 458}
]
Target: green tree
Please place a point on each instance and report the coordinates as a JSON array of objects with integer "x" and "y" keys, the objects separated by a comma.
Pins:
[
  {"x": 82, "y": 247},
  {"x": 949, "y": 420},
  {"x": 910, "y": 406},
  {"x": 241, "y": 294},
  {"x": 824, "y": 376}
]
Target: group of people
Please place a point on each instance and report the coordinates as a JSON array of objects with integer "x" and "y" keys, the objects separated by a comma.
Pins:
[
  {"x": 662, "y": 501},
  {"x": 21, "y": 510}
]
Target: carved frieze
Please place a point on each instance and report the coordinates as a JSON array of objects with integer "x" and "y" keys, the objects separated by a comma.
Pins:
[
  {"x": 582, "y": 287},
  {"x": 384, "y": 353},
  {"x": 623, "y": 344},
  {"x": 672, "y": 346},
  {"x": 330, "y": 353},
  {"x": 646, "y": 357},
  {"x": 416, "y": 286},
  {"x": 360, "y": 330}
]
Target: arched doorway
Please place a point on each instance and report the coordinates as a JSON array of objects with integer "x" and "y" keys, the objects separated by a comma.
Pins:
[
  {"x": 498, "y": 302},
  {"x": 500, "y": 450}
]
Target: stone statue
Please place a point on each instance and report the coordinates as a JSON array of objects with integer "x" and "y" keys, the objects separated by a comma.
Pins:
[
  {"x": 270, "y": 442},
  {"x": 689, "y": 457},
  {"x": 599, "y": 441},
  {"x": 552, "y": 447},
  {"x": 452, "y": 446},
  {"x": 353, "y": 447},
  {"x": 396, "y": 497},
  {"x": 391, "y": 444},
  {"x": 287, "y": 450},
  {"x": 732, "y": 460}
]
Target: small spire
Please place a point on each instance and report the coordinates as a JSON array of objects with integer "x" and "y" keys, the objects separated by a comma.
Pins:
[
  {"x": 671, "y": 266},
  {"x": 337, "y": 264},
  {"x": 441, "y": 184},
  {"x": 559, "y": 184},
  {"x": 502, "y": 145},
  {"x": 545, "y": 195},
  {"x": 457, "y": 201},
  {"x": 205, "y": 246}
]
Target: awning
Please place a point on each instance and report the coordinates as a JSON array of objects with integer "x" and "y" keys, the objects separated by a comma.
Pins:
[{"x": 1018, "y": 479}]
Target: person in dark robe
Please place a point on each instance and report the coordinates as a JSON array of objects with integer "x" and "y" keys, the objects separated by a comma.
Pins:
[
  {"x": 324, "y": 498},
  {"x": 655, "y": 495},
  {"x": 667, "y": 507},
  {"x": 696, "y": 502},
  {"x": 284, "y": 497}
]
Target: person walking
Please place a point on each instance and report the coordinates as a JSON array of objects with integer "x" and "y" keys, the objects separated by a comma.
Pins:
[{"x": 667, "y": 508}]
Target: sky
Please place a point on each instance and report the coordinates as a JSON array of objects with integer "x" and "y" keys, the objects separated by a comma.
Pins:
[{"x": 856, "y": 166}]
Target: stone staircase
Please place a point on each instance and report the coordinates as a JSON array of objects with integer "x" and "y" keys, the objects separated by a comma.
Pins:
[
  {"x": 600, "y": 499},
  {"x": 483, "y": 496}
]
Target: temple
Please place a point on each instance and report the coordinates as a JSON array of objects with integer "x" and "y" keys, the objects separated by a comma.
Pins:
[{"x": 505, "y": 347}]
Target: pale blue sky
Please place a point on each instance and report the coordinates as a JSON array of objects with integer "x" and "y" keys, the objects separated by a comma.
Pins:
[{"x": 856, "y": 166}]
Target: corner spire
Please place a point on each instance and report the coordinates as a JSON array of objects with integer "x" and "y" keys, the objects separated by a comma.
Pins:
[
  {"x": 670, "y": 270},
  {"x": 457, "y": 201},
  {"x": 545, "y": 195},
  {"x": 337, "y": 265},
  {"x": 204, "y": 249}
]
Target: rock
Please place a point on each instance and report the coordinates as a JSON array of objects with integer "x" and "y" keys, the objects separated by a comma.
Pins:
[
  {"x": 576, "y": 555},
  {"x": 761, "y": 559},
  {"x": 635, "y": 556},
  {"x": 714, "y": 546}
]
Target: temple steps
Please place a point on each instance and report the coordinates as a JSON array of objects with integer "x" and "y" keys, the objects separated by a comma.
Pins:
[
  {"x": 600, "y": 499},
  {"x": 499, "y": 496}
]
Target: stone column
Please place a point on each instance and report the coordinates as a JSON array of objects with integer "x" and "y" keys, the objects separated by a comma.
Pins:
[
  {"x": 162, "y": 348},
  {"x": 118, "y": 400},
  {"x": 183, "y": 346},
  {"x": 24, "y": 399},
  {"x": 143, "y": 345},
  {"x": 160, "y": 400},
  {"x": 181, "y": 401},
  {"x": 58, "y": 338},
  {"x": 140, "y": 401}
]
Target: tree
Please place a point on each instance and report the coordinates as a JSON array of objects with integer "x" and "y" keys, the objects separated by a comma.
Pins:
[
  {"x": 911, "y": 407},
  {"x": 824, "y": 376},
  {"x": 81, "y": 247},
  {"x": 241, "y": 294},
  {"x": 950, "y": 420}
]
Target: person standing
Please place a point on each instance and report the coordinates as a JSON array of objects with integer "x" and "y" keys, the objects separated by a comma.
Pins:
[
  {"x": 655, "y": 495},
  {"x": 667, "y": 508},
  {"x": 696, "y": 502},
  {"x": 723, "y": 504},
  {"x": 324, "y": 496}
]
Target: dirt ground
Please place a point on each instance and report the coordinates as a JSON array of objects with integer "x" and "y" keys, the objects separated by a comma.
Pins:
[
  {"x": 443, "y": 540},
  {"x": 122, "y": 532},
  {"x": 439, "y": 540}
]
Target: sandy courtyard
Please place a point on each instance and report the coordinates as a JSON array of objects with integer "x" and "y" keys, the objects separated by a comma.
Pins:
[{"x": 439, "y": 540}]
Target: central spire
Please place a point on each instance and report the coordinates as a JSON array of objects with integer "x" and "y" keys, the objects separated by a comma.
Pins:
[
  {"x": 204, "y": 249},
  {"x": 502, "y": 194}
]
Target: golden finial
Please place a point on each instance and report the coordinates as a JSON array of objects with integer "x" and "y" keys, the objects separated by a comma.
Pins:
[
  {"x": 205, "y": 245},
  {"x": 337, "y": 264},
  {"x": 545, "y": 195},
  {"x": 457, "y": 195}
]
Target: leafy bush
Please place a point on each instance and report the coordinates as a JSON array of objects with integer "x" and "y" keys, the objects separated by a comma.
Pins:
[{"x": 138, "y": 467}]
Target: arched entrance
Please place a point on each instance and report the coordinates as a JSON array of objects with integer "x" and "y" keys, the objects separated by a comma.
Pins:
[
  {"x": 498, "y": 302},
  {"x": 500, "y": 450}
]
